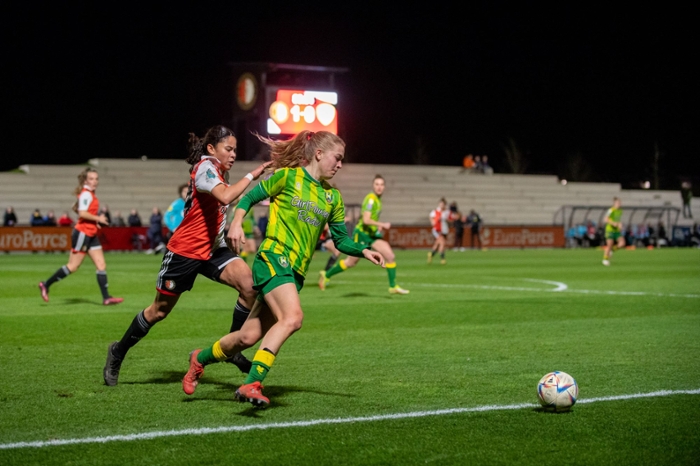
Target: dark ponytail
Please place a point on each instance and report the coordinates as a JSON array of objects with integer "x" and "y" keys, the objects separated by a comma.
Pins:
[{"x": 198, "y": 146}]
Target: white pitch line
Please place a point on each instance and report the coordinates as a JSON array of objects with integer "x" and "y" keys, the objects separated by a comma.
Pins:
[
  {"x": 559, "y": 288},
  {"x": 559, "y": 285},
  {"x": 316, "y": 422}
]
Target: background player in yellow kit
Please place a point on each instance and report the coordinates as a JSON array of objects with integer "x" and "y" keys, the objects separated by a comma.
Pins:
[
  {"x": 369, "y": 232},
  {"x": 613, "y": 230}
]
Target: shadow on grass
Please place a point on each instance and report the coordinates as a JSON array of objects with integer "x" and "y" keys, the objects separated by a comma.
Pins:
[
  {"x": 275, "y": 393},
  {"x": 551, "y": 411},
  {"x": 356, "y": 295},
  {"x": 175, "y": 377},
  {"x": 74, "y": 301}
]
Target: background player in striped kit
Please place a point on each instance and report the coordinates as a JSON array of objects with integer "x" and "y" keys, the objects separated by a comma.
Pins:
[
  {"x": 438, "y": 219},
  {"x": 368, "y": 232},
  {"x": 198, "y": 246},
  {"x": 301, "y": 203},
  {"x": 84, "y": 238}
]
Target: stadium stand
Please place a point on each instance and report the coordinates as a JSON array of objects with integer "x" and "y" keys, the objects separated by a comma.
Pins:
[{"x": 412, "y": 190}]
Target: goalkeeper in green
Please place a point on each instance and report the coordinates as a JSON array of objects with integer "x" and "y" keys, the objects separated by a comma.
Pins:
[
  {"x": 301, "y": 204},
  {"x": 613, "y": 230},
  {"x": 369, "y": 232}
]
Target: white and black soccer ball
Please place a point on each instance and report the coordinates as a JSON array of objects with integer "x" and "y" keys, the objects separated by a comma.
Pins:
[{"x": 557, "y": 391}]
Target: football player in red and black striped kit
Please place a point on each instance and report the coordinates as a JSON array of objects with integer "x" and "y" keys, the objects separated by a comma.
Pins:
[
  {"x": 84, "y": 238},
  {"x": 198, "y": 246}
]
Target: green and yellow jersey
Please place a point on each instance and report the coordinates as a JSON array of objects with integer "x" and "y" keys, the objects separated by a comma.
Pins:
[
  {"x": 373, "y": 205},
  {"x": 614, "y": 215},
  {"x": 300, "y": 207}
]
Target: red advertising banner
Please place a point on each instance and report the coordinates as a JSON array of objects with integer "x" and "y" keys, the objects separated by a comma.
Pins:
[
  {"x": 491, "y": 237},
  {"x": 59, "y": 238},
  {"x": 130, "y": 238},
  {"x": 35, "y": 238}
]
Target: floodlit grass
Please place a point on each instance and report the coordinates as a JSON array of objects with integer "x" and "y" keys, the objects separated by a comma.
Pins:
[{"x": 478, "y": 331}]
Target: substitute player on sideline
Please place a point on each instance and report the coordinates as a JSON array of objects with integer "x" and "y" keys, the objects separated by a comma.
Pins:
[
  {"x": 368, "y": 232},
  {"x": 198, "y": 245},
  {"x": 301, "y": 203},
  {"x": 84, "y": 238},
  {"x": 613, "y": 230}
]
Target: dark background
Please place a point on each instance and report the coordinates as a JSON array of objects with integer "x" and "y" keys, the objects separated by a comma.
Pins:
[{"x": 589, "y": 94}]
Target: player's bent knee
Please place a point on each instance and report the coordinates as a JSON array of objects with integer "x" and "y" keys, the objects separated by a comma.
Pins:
[
  {"x": 248, "y": 337},
  {"x": 293, "y": 322},
  {"x": 248, "y": 294}
]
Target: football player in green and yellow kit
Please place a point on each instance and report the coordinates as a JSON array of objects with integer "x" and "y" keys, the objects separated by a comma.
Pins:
[
  {"x": 301, "y": 204},
  {"x": 369, "y": 233},
  {"x": 613, "y": 230}
]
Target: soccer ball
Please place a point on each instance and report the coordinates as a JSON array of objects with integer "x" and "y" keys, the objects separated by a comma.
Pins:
[{"x": 557, "y": 391}]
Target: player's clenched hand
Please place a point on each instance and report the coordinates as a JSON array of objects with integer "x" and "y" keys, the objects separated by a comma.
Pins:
[
  {"x": 374, "y": 257},
  {"x": 235, "y": 238},
  {"x": 259, "y": 170}
]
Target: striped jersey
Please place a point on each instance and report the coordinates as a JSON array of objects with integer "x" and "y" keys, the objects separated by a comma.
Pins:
[
  {"x": 373, "y": 205},
  {"x": 201, "y": 231},
  {"x": 87, "y": 201},
  {"x": 614, "y": 215},
  {"x": 300, "y": 207},
  {"x": 438, "y": 219}
]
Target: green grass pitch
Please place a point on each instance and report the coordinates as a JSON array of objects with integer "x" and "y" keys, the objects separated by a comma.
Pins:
[{"x": 479, "y": 331}]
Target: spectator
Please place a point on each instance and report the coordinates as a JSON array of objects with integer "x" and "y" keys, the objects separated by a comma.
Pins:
[
  {"x": 662, "y": 238},
  {"x": 134, "y": 220},
  {"x": 485, "y": 167},
  {"x": 155, "y": 232},
  {"x": 695, "y": 236},
  {"x": 478, "y": 167},
  {"x": 474, "y": 220},
  {"x": 458, "y": 224},
  {"x": 105, "y": 211},
  {"x": 592, "y": 234},
  {"x": 118, "y": 220},
  {"x": 629, "y": 235},
  {"x": 50, "y": 219},
  {"x": 176, "y": 211},
  {"x": 10, "y": 218},
  {"x": 64, "y": 220},
  {"x": 686, "y": 196},
  {"x": 468, "y": 162},
  {"x": 36, "y": 220}
]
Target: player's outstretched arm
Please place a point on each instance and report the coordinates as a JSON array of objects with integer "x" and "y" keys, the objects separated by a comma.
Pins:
[
  {"x": 228, "y": 194},
  {"x": 367, "y": 220},
  {"x": 374, "y": 257},
  {"x": 235, "y": 238}
]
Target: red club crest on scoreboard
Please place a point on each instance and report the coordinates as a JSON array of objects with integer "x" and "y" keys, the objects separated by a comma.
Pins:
[{"x": 297, "y": 110}]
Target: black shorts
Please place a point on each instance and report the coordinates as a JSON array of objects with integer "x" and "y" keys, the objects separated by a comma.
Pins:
[
  {"x": 177, "y": 273},
  {"x": 80, "y": 242}
]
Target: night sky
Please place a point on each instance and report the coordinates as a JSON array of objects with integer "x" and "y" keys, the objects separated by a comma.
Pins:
[{"x": 600, "y": 86}]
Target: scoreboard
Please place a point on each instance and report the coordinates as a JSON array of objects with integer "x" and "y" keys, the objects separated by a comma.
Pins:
[
  {"x": 280, "y": 100},
  {"x": 295, "y": 110}
]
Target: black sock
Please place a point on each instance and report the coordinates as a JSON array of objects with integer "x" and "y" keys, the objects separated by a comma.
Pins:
[
  {"x": 432, "y": 253},
  {"x": 60, "y": 274},
  {"x": 240, "y": 314},
  {"x": 331, "y": 262},
  {"x": 442, "y": 255},
  {"x": 102, "y": 281},
  {"x": 138, "y": 329}
]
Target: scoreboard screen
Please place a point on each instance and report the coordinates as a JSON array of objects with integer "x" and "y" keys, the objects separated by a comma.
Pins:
[{"x": 292, "y": 111}]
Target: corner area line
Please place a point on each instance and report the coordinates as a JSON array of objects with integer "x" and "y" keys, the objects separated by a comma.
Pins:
[{"x": 316, "y": 422}]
